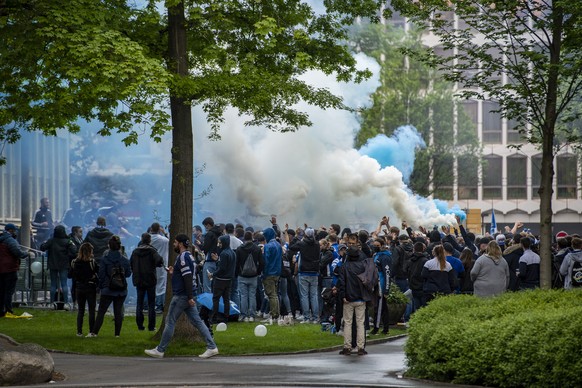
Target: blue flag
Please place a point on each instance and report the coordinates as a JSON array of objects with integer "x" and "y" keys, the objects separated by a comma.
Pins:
[{"x": 493, "y": 223}]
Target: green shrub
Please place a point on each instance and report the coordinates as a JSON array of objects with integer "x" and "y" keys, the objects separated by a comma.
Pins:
[{"x": 524, "y": 339}]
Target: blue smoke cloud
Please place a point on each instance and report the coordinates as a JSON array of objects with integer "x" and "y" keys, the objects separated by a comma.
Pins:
[
  {"x": 397, "y": 150},
  {"x": 443, "y": 207}
]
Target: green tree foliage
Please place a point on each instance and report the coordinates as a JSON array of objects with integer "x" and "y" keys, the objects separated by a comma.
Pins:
[
  {"x": 535, "y": 46},
  {"x": 411, "y": 92}
]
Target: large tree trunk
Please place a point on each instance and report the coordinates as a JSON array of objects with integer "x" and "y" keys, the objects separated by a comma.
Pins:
[
  {"x": 182, "y": 154},
  {"x": 547, "y": 173}
]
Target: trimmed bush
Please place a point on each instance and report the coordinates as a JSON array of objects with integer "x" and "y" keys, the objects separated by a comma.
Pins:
[{"x": 523, "y": 339}]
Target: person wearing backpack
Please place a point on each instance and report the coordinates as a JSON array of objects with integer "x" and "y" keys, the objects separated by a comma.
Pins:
[
  {"x": 571, "y": 267},
  {"x": 114, "y": 268},
  {"x": 144, "y": 262},
  {"x": 354, "y": 295},
  {"x": 84, "y": 272},
  {"x": 249, "y": 265}
]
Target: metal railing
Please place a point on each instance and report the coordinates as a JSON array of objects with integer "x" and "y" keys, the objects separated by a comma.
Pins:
[{"x": 33, "y": 284}]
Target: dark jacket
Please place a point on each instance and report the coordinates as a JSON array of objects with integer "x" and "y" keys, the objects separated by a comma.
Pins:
[
  {"x": 383, "y": 261},
  {"x": 308, "y": 248},
  {"x": 350, "y": 286},
  {"x": 416, "y": 264},
  {"x": 10, "y": 253},
  {"x": 60, "y": 249},
  {"x": 325, "y": 260},
  {"x": 226, "y": 265},
  {"x": 400, "y": 260},
  {"x": 512, "y": 255},
  {"x": 99, "y": 237},
  {"x": 108, "y": 261},
  {"x": 144, "y": 261},
  {"x": 437, "y": 280},
  {"x": 85, "y": 274},
  {"x": 211, "y": 241},
  {"x": 243, "y": 251}
]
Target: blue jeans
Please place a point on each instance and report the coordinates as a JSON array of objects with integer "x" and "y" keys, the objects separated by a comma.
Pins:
[
  {"x": 59, "y": 280},
  {"x": 284, "y": 295},
  {"x": 248, "y": 296},
  {"x": 179, "y": 305},
  {"x": 209, "y": 265},
  {"x": 308, "y": 296}
]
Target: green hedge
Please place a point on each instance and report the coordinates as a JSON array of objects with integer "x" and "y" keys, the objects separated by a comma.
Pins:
[{"x": 523, "y": 339}]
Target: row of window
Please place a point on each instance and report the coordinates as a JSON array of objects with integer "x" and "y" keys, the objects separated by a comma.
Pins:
[{"x": 518, "y": 178}]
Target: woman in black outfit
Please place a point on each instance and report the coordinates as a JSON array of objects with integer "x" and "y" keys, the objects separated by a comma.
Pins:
[{"x": 84, "y": 272}]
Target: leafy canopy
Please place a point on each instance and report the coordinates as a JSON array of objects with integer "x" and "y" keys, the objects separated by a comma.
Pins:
[{"x": 62, "y": 61}]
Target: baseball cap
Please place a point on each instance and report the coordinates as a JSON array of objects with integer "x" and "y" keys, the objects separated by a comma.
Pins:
[
  {"x": 560, "y": 234},
  {"x": 10, "y": 227}
]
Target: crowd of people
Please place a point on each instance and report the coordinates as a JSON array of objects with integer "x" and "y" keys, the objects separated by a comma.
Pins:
[{"x": 275, "y": 275}]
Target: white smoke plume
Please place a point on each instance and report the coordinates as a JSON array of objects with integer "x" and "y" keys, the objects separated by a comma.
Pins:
[{"x": 312, "y": 176}]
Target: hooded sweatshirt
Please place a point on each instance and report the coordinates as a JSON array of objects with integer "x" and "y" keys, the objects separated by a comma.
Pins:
[
  {"x": 99, "y": 237},
  {"x": 60, "y": 249},
  {"x": 10, "y": 253},
  {"x": 226, "y": 265},
  {"x": 144, "y": 261},
  {"x": 243, "y": 251},
  {"x": 567, "y": 265},
  {"x": 309, "y": 254},
  {"x": 350, "y": 286},
  {"x": 490, "y": 276},
  {"x": 273, "y": 254}
]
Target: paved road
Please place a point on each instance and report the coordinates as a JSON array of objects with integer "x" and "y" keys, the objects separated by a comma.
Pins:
[{"x": 381, "y": 367}]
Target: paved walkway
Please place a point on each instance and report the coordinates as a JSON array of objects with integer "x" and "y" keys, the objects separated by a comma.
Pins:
[{"x": 382, "y": 367}]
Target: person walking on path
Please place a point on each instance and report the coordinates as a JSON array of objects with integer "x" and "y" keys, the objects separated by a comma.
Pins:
[{"x": 183, "y": 301}]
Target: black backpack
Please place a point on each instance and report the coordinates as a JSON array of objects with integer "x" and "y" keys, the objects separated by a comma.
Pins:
[
  {"x": 577, "y": 274},
  {"x": 117, "y": 281},
  {"x": 249, "y": 268}
]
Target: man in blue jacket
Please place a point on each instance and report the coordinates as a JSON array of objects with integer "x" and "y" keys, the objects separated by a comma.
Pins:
[{"x": 273, "y": 258}]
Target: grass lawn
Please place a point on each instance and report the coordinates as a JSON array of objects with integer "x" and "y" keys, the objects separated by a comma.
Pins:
[{"x": 56, "y": 330}]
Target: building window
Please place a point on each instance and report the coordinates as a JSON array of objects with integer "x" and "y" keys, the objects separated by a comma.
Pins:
[
  {"x": 567, "y": 174},
  {"x": 516, "y": 177},
  {"x": 513, "y": 136},
  {"x": 492, "y": 177},
  {"x": 468, "y": 176},
  {"x": 467, "y": 112},
  {"x": 536, "y": 175},
  {"x": 491, "y": 123}
]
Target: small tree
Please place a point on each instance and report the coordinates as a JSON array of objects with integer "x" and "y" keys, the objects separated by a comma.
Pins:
[
  {"x": 536, "y": 46},
  {"x": 411, "y": 92}
]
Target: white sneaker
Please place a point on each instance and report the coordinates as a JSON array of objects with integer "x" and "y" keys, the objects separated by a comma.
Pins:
[
  {"x": 208, "y": 353},
  {"x": 154, "y": 353},
  {"x": 91, "y": 335},
  {"x": 246, "y": 319},
  {"x": 251, "y": 319},
  {"x": 281, "y": 322}
]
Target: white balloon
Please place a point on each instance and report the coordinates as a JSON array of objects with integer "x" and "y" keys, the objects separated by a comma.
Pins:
[
  {"x": 260, "y": 331},
  {"x": 36, "y": 267},
  {"x": 221, "y": 326}
]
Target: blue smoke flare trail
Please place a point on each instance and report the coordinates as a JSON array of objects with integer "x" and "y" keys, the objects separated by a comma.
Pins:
[{"x": 397, "y": 150}]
